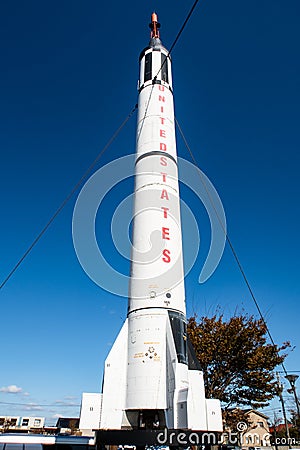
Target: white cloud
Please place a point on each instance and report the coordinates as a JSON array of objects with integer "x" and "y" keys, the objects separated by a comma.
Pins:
[
  {"x": 65, "y": 403},
  {"x": 12, "y": 389},
  {"x": 70, "y": 397},
  {"x": 26, "y": 394},
  {"x": 33, "y": 407}
]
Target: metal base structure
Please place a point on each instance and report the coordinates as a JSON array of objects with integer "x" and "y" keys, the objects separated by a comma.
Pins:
[{"x": 172, "y": 438}]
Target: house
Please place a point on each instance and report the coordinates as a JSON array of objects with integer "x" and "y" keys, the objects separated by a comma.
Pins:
[
  {"x": 257, "y": 433},
  {"x": 253, "y": 431},
  {"x": 26, "y": 424}
]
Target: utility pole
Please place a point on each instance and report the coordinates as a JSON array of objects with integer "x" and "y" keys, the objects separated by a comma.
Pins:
[
  {"x": 280, "y": 389},
  {"x": 275, "y": 430},
  {"x": 292, "y": 379}
]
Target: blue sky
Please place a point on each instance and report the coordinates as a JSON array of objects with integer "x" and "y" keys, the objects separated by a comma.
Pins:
[{"x": 68, "y": 79}]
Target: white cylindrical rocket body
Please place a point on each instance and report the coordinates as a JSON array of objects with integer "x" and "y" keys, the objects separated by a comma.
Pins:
[
  {"x": 156, "y": 260},
  {"x": 156, "y": 290},
  {"x": 151, "y": 378}
]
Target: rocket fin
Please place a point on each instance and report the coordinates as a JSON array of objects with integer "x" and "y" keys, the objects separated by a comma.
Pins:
[
  {"x": 214, "y": 415},
  {"x": 197, "y": 419},
  {"x": 114, "y": 382}
]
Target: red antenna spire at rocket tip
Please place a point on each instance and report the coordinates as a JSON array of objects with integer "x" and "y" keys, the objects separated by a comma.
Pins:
[{"x": 154, "y": 26}]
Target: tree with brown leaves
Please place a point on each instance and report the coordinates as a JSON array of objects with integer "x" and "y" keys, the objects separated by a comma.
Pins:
[{"x": 236, "y": 359}]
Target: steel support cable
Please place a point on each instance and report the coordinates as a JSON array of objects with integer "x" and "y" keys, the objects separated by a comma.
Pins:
[
  {"x": 60, "y": 208},
  {"x": 165, "y": 61},
  {"x": 68, "y": 197},
  {"x": 183, "y": 26},
  {"x": 228, "y": 240}
]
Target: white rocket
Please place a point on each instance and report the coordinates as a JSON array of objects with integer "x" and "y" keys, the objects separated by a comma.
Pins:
[{"x": 151, "y": 377}]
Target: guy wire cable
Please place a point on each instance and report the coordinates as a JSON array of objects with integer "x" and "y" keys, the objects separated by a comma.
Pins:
[
  {"x": 90, "y": 168},
  {"x": 228, "y": 240},
  {"x": 68, "y": 197}
]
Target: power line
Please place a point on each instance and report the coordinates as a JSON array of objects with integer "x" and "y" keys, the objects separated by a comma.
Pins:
[
  {"x": 229, "y": 241},
  {"x": 273, "y": 409},
  {"x": 290, "y": 371},
  {"x": 36, "y": 405}
]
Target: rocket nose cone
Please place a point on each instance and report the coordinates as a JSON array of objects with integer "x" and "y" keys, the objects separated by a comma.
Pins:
[{"x": 155, "y": 43}]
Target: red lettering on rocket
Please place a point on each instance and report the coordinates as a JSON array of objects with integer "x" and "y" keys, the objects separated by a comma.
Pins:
[
  {"x": 166, "y": 254},
  {"x": 164, "y": 175},
  {"x": 167, "y": 257},
  {"x": 165, "y": 210},
  {"x": 164, "y": 194},
  {"x": 163, "y": 161},
  {"x": 165, "y": 233}
]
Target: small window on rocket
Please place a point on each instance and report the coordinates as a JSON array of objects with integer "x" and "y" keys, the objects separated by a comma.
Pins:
[
  {"x": 148, "y": 67},
  {"x": 164, "y": 68}
]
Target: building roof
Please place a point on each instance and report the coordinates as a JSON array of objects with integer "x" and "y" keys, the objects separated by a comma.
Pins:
[
  {"x": 254, "y": 411},
  {"x": 280, "y": 427},
  {"x": 250, "y": 410}
]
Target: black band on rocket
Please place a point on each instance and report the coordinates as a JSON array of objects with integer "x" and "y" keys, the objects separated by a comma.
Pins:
[{"x": 157, "y": 152}]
